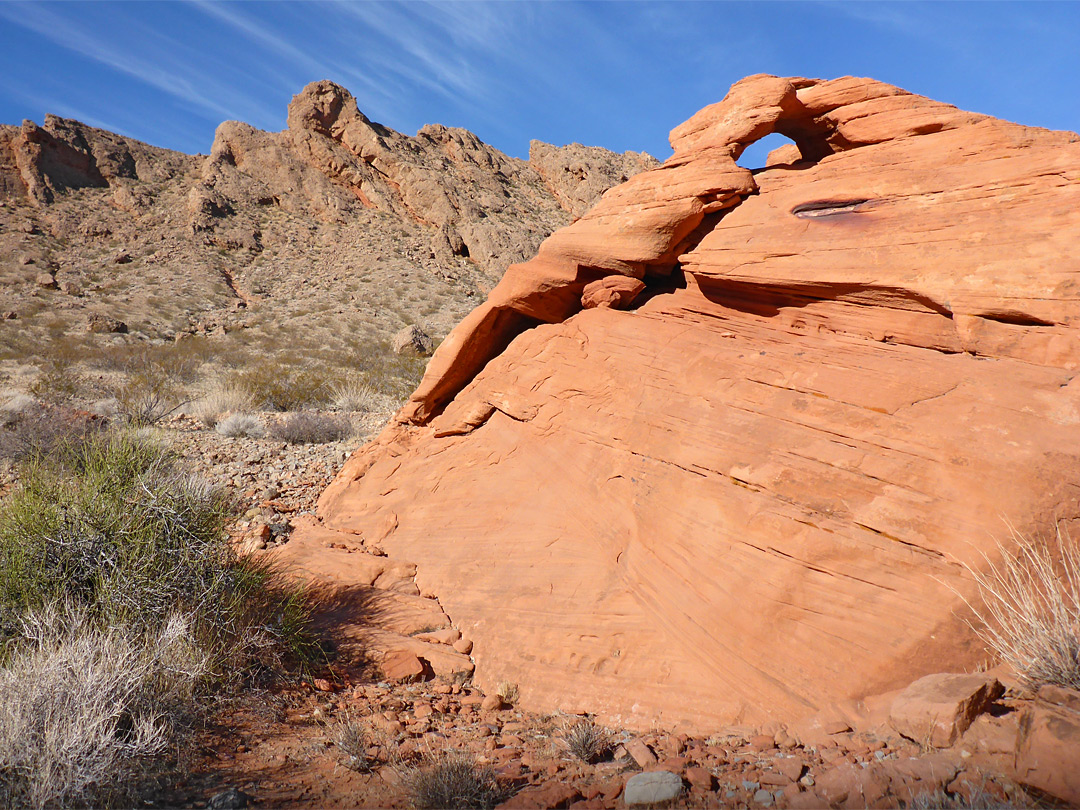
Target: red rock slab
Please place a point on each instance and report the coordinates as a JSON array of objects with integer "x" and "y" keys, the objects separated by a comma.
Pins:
[
  {"x": 1048, "y": 751},
  {"x": 937, "y": 709},
  {"x": 753, "y": 495}
]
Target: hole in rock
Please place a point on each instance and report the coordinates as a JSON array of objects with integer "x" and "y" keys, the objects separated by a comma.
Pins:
[
  {"x": 828, "y": 208},
  {"x": 755, "y": 156}
]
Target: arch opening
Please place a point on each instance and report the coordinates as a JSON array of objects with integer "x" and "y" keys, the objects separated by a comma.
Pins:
[{"x": 755, "y": 155}]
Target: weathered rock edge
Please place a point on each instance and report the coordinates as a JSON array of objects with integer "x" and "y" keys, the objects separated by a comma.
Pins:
[{"x": 752, "y": 493}]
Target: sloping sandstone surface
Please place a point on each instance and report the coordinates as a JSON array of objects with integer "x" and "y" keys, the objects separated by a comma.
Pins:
[{"x": 721, "y": 450}]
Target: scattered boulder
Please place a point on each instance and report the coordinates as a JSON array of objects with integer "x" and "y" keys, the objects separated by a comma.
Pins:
[
  {"x": 412, "y": 340},
  {"x": 104, "y": 325},
  {"x": 938, "y": 709},
  {"x": 652, "y": 787},
  {"x": 47, "y": 281}
]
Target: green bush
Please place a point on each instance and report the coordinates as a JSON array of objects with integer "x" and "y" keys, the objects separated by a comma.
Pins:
[
  {"x": 114, "y": 527},
  {"x": 281, "y": 386}
]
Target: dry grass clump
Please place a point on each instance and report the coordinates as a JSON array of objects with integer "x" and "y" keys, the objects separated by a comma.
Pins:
[
  {"x": 351, "y": 741},
  {"x": 1031, "y": 609},
  {"x": 977, "y": 799},
  {"x": 586, "y": 740},
  {"x": 220, "y": 399},
  {"x": 508, "y": 691},
  {"x": 453, "y": 779},
  {"x": 241, "y": 424},
  {"x": 307, "y": 427},
  {"x": 82, "y": 708},
  {"x": 58, "y": 382},
  {"x": 355, "y": 393}
]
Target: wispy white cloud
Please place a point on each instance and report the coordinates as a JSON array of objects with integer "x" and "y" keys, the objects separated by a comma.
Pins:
[{"x": 166, "y": 78}]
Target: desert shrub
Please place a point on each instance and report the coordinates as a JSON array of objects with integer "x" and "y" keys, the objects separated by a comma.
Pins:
[
  {"x": 453, "y": 779},
  {"x": 17, "y": 407},
  {"x": 282, "y": 386},
  {"x": 83, "y": 708},
  {"x": 37, "y": 431},
  {"x": 58, "y": 382},
  {"x": 180, "y": 362},
  {"x": 241, "y": 424},
  {"x": 147, "y": 395},
  {"x": 114, "y": 527},
  {"x": 1030, "y": 610},
  {"x": 306, "y": 427},
  {"x": 586, "y": 740},
  {"x": 220, "y": 399},
  {"x": 977, "y": 799}
]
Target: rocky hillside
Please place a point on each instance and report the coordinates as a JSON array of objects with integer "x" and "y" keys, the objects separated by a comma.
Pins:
[
  {"x": 721, "y": 451},
  {"x": 322, "y": 240}
]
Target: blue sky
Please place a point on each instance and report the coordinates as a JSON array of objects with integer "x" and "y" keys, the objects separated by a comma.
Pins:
[{"x": 613, "y": 74}]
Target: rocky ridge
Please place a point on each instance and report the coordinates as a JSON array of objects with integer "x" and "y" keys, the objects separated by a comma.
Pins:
[
  {"x": 272, "y": 232},
  {"x": 837, "y": 376}
]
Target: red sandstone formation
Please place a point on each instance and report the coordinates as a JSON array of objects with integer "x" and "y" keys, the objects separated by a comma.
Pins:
[{"x": 749, "y": 488}]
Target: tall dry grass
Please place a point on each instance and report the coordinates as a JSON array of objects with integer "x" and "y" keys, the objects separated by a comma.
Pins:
[{"x": 1030, "y": 608}]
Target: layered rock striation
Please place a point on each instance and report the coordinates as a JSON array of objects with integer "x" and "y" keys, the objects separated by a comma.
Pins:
[{"x": 722, "y": 449}]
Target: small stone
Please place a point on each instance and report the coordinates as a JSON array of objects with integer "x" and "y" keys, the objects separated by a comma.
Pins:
[
  {"x": 463, "y": 646},
  {"x": 652, "y": 787},
  {"x": 790, "y": 767},
  {"x": 492, "y": 703},
  {"x": 641, "y": 753},
  {"x": 762, "y": 742},
  {"x": 46, "y": 281},
  {"x": 763, "y": 797},
  {"x": 700, "y": 778}
]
